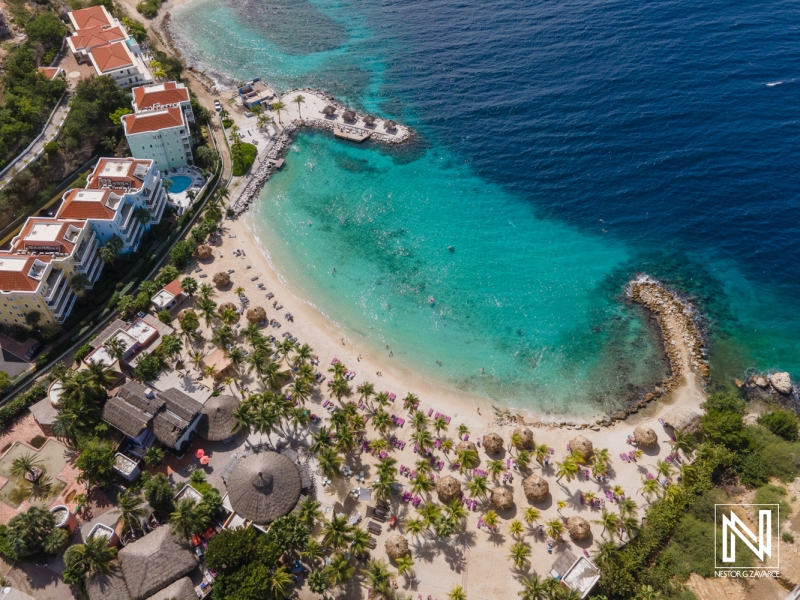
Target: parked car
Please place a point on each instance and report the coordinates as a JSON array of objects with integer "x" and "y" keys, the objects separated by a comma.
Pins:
[
  {"x": 217, "y": 105},
  {"x": 34, "y": 351}
]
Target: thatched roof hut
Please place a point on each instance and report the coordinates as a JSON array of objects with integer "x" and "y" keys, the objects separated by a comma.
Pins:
[
  {"x": 682, "y": 420},
  {"x": 185, "y": 312},
  {"x": 329, "y": 110},
  {"x": 502, "y": 498},
  {"x": 222, "y": 279},
  {"x": 183, "y": 589},
  {"x": 526, "y": 438},
  {"x": 493, "y": 443},
  {"x": 390, "y": 125},
  {"x": 369, "y": 120},
  {"x": 264, "y": 487},
  {"x": 225, "y": 306},
  {"x": 256, "y": 314},
  {"x": 349, "y": 115},
  {"x": 583, "y": 446},
  {"x": 396, "y": 546},
  {"x": 578, "y": 528},
  {"x": 204, "y": 252},
  {"x": 464, "y": 445},
  {"x": 107, "y": 587},
  {"x": 448, "y": 489},
  {"x": 536, "y": 488},
  {"x": 153, "y": 562},
  {"x": 645, "y": 437},
  {"x": 216, "y": 422}
]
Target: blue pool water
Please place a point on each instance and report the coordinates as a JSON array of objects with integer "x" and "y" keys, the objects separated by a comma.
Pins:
[
  {"x": 561, "y": 149},
  {"x": 180, "y": 183}
]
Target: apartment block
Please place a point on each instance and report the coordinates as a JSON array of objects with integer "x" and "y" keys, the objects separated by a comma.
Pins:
[
  {"x": 163, "y": 95},
  {"x": 160, "y": 135}
]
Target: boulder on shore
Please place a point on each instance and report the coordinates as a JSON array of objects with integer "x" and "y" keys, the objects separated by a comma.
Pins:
[{"x": 781, "y": 382}]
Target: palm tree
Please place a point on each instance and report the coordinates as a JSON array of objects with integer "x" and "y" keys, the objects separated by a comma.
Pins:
[
  {"x": 223, "y": 194},
  {"x": 257, "y": 362},
  {"x": 515, "y": 528},
  {"x": 272, "y": 375},
  {"x": 430, "y": 513},
  {"x": 462, "y": 431},
  {"x": 606, "y": 553},
  {"x": 523, "y": 459},
  {"x": 531, "y": 515},
  {"x": 299, "y": 99},
  {"x": 340, "y": 387},
  {"x": 207, "y": 290},
  {"x": 285, "y": 348},
  {"x": 26, "y": 467},
  {"x": 377, "y": 576},
  {"x": 381, "y": 421},
  {"x": 627, "y": 506},
  {"x": 410, "y": 402},
  {"x": 336, "y": 533},
  {"x": 278, "y": 107},
  {"x": 495, "y": 468},
  {"x": 629, "y": 524},
  {"x": 339, "y": 570},
  {"x": 519, "y": 554},
  {"x": 649, "y": 488},
  {"x": 422, "y": 484},
  {"x": 415, "y": 527},
  {"x": 468, "y": 459},
  {"x": 94, "y": 556},
  {"x": 116, "y": 347},
  {"x": 378, "y": 445},
  {"x": 405, "y": 566},
  {"x": 456, "y": 593},
  {"x": 422, "y": 438},
  {"x": 561, "y": 505},
  {"x": 419, "y": 420},
  {"x": 663, "y": 469},
  {"x": 329, "y": 462},
  {"x": 102, "y": 376},
  {"x": 456, "y": 512},
  {"x": 673, "y": 494},
  {"x": 608, "y": 520},
  {"x": 478, "y": 486},
  {"x": 439, "y": 425},
  {"x": 684, "y": 442},
  {"x": 188, "y": 518},
  {"x": 541, "y": 452},
  {"x": 308, "y": 511},
  {"x": 533, "y": 588},
  {"x": 359, "y": 542},
  {"x": 490, "y": 518},
  {"x": 79, "y": 283},
  {"x": 382, "y": 399},
  {"x": 446, "y": 446},
  {"x": 132, "y": 511},
  {"x": 313, "y": 551},
  {"x": 568, "y": 468},
  {"x": 555, "y": 528}
]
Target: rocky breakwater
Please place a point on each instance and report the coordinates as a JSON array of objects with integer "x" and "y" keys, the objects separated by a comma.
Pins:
[{"x": 763, "y": 386}]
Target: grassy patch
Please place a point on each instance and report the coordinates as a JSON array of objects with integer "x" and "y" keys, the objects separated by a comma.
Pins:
[{"x": 243, "y": 156}]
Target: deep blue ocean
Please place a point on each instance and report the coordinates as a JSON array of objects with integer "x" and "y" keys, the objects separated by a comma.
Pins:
[{"x": 562, "y": 147}]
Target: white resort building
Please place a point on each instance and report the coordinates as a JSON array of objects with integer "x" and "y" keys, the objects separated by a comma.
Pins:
[
  {"x": 37, "y": 270},
  {"x": 103, "y": 41},
  {"x": 160, "y": 135},
  {"x": 163, "y": 95}
]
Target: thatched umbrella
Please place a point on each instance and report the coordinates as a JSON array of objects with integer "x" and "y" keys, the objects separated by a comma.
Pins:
[
  {"x": 645, "y": 437},
  {"x": 578, "y": 528},
  {"x": 396, "y": 546},
  {"x": 222, "y": 279},
  {"x": 256, "y": 314},
  {"x": 464, "y": 445},
  {"x": 682, "y": 420},
  {"x": 329, "y": 110},
  {"x": 526, "y": 438},
  {"x": 536, "y": 488},
  {"x": 448, "y": 488},
  {"x": 502, "y": 498},
  {"x": 216, "y": 422},
  {"x": 264, "y": 487},
  {"x": 204, "y": 252},
  {"x": 349, "y": 115},
  {"x": 369, "y": 120},
  {"x": 185, "y": 312},
  {"x": 582, "y": 445},
  {"x": 226, "y": 306},
  {"x": 492, "y": 443},
  {"x": 390, "y": 125}
]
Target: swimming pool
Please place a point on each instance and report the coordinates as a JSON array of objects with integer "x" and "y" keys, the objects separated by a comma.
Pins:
[{"x": 180, "y": 183}]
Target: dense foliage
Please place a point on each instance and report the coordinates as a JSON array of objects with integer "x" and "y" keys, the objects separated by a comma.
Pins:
[
  {"x": 32, "y": 535},
  {"x": 782, "y": 423},
  {"x": 243, "y": 156}
]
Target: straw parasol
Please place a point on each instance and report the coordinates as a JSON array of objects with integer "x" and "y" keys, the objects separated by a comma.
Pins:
[
  {"x": 502, "y": 498},
  {"x": 329, "y": 110},
  {"x": 226, "y": 306},
  {"x": 216, "y": 422},
  {"x": 448, "y": 488},
  {"x": 396, "y": 546},
  {"x": 645, "y": 437},
  {"x": 536, "y": 488},
  {"x": 578, "y": 528},
  {"x": 492, "y": 443},
  {"x": 526, "y": 438},
  {"x": 222, "y": 279},
  {"x": 204, "y": 252},
  {"x": 369, "y": 120},
  {"x": 390, "y": 125},
  {"x": 582, "y": 445},
  {"x": 349, "y": 115},
  {"x": 466, "y": 446},
  {"x": 256, "y": 314},
  {"x": 264, "y": 487},
  {"x": 682, "y": 420}
]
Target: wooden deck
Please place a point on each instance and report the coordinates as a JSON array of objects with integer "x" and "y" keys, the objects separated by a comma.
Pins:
[{"x": 355, "y": 134}]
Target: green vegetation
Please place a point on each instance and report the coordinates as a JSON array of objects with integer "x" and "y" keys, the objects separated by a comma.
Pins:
[
  {"x": 782, "y": 423},
  {"x": 96, "y": 463},
  {"x": 32, "y": 536},
  {"x": 159, "y": 494},
  {"x": 95, "y": 556},
  {"x": 243, "y": 156},
  {"x": 149, "y": 8}
]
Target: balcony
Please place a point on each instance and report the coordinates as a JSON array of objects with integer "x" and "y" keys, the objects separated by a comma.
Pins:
[
  {"x": 57, "y": 299},
  {"x": 87, "y": 247},
  {"x": 126, "y": 214},
  {"x": 55, "y": 282},
  {"x": 65, "y": 307}
]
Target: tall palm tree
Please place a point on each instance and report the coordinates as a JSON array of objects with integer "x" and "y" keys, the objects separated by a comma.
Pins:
[
  {"x": 495, "y": 468},
  {"x": 555, "y": 528},
  {"x": 188, "y": 518},
  {"x": 422, "y": 484},
  {"x": 490, "y": 518},
  {"x": 519, "y": 554},
  {"x": 405, "y": 566},
  {"x": 531, "y": 515},
  {"x": 541, "y": 452},
  {"x": 515, "y": 528},
  {"x": 329, "y": 462},
  {"x": 257, "y": 362},
  {"x": 533, "y": 588},
  {"x": 94, "y": 556},
  {"x": 456, "y": 593},
  {"x": 116, "y": 347},
  {"x": 381, "y": 421},
  {"x": 609, "y": 522},
  {"x": 478, "y": 486},
  {"x": 272, "y": 375},
  {"x": 132, "y": 511},
  {"x": 207, "y": 290},
  {"x": 419, "y": 420},
  {"x": 365, "y": 391},
  {"x": 439, "y": 425},
  {"x": 26, "y": 466},
  {"x": 468, "y": 459},
  {"x": 336, "y": 533},
  {"x": 339, "y": 388},
  {"x": 339, "y": 570},
  {"x": 359, "y": 542},
  {"x": 377, "y": 576},
  {"x": 606, "y": 553},
  {"x": 100, "y": 375},
  {"x": 410, "y": 402},
  {"x": 415, "y": 527},
  {"x": 422, "y": 438},
  {"x": 308, "y": 511},
  {"x": 568, "y": 468},
  {"x": 299, "y": 99},
  {"x": 649, "y": 488},
  {"x": 79, "y": 283},
  {"x": 278, "y": 107}
]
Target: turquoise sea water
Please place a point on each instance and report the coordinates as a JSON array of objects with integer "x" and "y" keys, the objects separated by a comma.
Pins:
[{"x": 556, "y": 158}]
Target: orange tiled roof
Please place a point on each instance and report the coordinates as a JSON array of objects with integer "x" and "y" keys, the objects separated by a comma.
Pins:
[
  {"x": 128, "y": 177},
  {"x": 150, "y": 96},
  {"x": 174, "y": 287},
  {"x": 49, "y": 72},
  {"x": 85, "y": 209},
  {"x": 153, "y": 121},
  {"x": 92, "y": 37},
  {"x": 18, "y": 280},
  {"x": 111, "y": 57},
  {"x": 90, "y": 17},
  {"x": 66, "y": 245}
]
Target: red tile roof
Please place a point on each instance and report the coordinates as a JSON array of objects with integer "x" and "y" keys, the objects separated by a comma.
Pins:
[
  {"x": 111, "y": 57},
  {"x": 65, "y": 245},
  {"x": 92, "y": 37},
  {"x": 94, "y": 182},
  {"x": 85, "y": 209},
  {"x": 49, "y": 72},
  {"x": 149, "y": 96},
  {"x": 90, "y": 17},
  {"x": 174, "y": 287},
  {"x": 153, "y": 121},
  {"x": 18, "y": 280}
]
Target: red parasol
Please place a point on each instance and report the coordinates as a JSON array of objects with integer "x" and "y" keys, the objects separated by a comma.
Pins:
[{"x": 199, "y": 453}]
